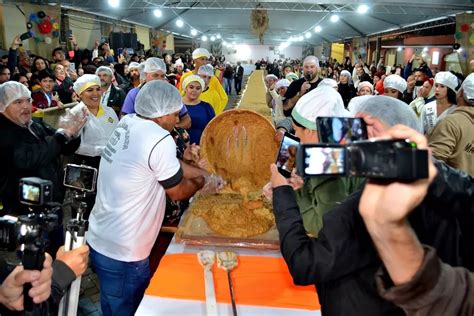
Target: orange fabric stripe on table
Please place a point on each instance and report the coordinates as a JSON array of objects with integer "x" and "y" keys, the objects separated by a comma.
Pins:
[{"x": 258, "y": 281}]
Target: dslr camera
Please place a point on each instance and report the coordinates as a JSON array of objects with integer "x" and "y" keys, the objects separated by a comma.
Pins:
[
  {"x": 37, "y": 194},
  {"x": 394, "y": 160}
]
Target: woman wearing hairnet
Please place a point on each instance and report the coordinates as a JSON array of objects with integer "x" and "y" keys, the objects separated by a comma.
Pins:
[
  {"x": 210, "y": 95},
  {"x": 445, "y": 93},
  {"x": 201, "y": 112},
  {"x": 100, "y": 124}
]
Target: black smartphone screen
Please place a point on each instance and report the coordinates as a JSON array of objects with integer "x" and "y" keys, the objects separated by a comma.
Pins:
[
  {"x": 26, "y": 36},
  {"x": 319, "y": 160},
  {"x": 286, "y": 159},
  {"x": 341, "y": 130}
]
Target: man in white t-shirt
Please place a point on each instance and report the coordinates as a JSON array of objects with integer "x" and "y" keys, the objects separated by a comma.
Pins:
[{"x": 138, "y": 168}]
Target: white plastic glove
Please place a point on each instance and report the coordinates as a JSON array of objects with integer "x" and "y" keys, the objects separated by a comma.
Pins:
[{"x": 213, "y": 183}]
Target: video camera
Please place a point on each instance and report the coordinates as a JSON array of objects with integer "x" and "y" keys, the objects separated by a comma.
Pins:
[
  {"x": 37, "y": 194},
  {"x": 376, "y": 159}
]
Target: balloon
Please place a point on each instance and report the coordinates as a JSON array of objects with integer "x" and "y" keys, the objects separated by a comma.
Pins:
[
  {"x": 464, "y": 27},
  {"x": 48, "y": 40},
  {"x": 34, "y": 18},
  {"x": 29, "y": 25},
  {"x": 458, "y": 35},
  {"x": 45, "y": 27},
  {"x": 55, "y": 25},
  {"x": 471, "y": 39},
  {"x": 41, "y": 14},
  {"x": 55, "y": 34}
]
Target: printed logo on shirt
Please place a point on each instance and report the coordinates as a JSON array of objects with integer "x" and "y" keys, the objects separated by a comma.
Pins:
[
  {"x": 120, "y": 135},
  {"x": 110, "y": 120},
  {"x": 469, "y": 147}
]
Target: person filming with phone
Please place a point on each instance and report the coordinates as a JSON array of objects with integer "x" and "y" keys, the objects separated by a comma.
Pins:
[{"x": 317, "y": 195}]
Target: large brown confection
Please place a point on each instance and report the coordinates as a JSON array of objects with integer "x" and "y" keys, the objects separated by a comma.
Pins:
[{"x": 239, "y": 146}]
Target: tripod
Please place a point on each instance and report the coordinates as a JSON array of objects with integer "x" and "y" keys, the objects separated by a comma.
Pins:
[
  {"x": 32, "y": 230},
  {"x": 75, "y": 237}
]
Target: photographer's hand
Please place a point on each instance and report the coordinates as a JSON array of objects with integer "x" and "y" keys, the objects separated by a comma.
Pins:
[
  {"x": 11, "y": 290},
  {"x": 385, "y": 207},
  {"x": 75, "y": 259},
  {"x": 277, "y": 179}
]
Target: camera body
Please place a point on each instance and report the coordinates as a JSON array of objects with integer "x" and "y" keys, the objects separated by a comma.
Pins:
[
  {"x": 35, "y": 191},
  {"x": 375, "y": 159},
  {"x": 80, "y": 177}
]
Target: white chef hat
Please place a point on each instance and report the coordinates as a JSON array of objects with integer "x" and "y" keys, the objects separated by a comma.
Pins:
[
  {"x": 11, "y": 91},
  {"x": 158, "y": 98},
  {"x": 322, "y": 101},
  {"x": 178, "y": 62},
  {"x": 201, "y": 52},
  {"x": 468, "y": 88},
  {"x": 448, "y": 79},
  {"x": 292, "y": 76},
  {"x": 395, "y": 82},
  {"x": 206, "y": 70},
  {"x": 84, "y": 82},
  {"x": 365, "y": 84},
  {"x": 346, "y": 73},
  {"x": 328, "y": 82},
  {"x": 282, "y": 83}
]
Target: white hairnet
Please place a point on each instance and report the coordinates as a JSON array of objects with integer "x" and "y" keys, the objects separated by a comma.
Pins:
[
  {"x": 395, "y": 82},
  {"x": 365, "y": 84},
  {"x": 468, "y": 88},
  {"x": 133, "y": 64},
  {"x": 206, "y": 70},
  {"x": 328, "y": 82},
  {"x": 201, "y": 52},
  {"x": 11, "y": 91},
  {"x": 389, "y": 110},
  {"x": 448, "y": 79},
  {"x": 157, "y": 98},
  {"x": 311, "y": 60},
  {"x": 192, "y": 78},
  {"x": 282, "y": 83},
  {"x": 154, "y": 64},
  {"x": 178, "y": 62},
  {"x": 271, "y": 76},
  {"x": 322, "y": 101},
  {"x": 346, "y": 73},
  {"x": 85, "y": 82},
  {"x": 141, "y": 69},
  {"x": 104, "y": 69}
]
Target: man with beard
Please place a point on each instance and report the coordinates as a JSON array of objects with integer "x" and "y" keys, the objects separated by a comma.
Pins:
[
  {"x": 303, "y": 85},
  {"x": 111, "y": 96},
  {"x": 134, "y": 74}
]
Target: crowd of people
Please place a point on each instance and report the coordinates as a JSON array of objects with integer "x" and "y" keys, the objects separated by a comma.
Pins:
[{"x": 139, "y": 121}]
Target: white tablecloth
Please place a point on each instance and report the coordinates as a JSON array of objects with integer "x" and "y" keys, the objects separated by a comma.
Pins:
[{"x": 154, "y": 306}]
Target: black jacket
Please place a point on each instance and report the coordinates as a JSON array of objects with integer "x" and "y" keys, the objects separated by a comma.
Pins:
[
  {"x": 347, "y": 92},
  {"x": 30, "y": 152},
  {"x": 342, "y": 261}
]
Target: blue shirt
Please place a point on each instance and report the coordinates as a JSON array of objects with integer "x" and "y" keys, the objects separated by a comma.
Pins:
[{"x": 201, "y": 114}]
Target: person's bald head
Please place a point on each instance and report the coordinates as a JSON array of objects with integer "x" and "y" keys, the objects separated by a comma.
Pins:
[{"x": 310, "y": 68}]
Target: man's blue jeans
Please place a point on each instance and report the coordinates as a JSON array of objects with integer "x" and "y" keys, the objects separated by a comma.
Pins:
[{"x": 122, "y": 284}]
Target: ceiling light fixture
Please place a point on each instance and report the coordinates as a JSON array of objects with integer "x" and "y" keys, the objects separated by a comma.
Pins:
[
  {"x": 399, "y": 49},
  {"x": 157, "y": 13},
  {"x": 114, "y": 3},
  {"x": 362, "y": 9},
  {"x": 213, "y": 38},
  {"x": 204, "y": 38},
  {"x": 308, "y": 34},
  {"x": 425, "y": 49},
  {"x": 318, "y": 29},
  {"x": 218, "y": 36},
  {"x": 194, "y": 32},
  {"x": 334, "y": 18},
  {"x": 300, "y": 38},
  {"x": 179, "y": 23}
]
